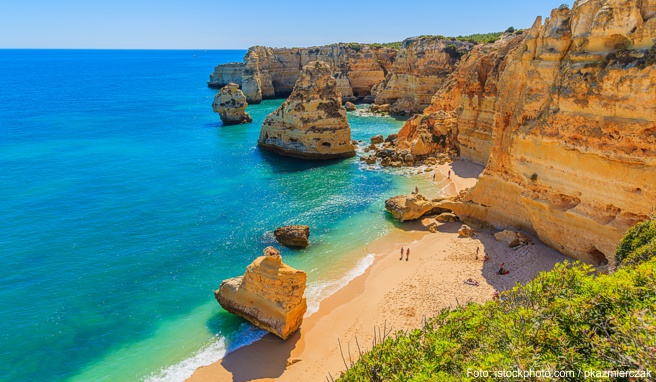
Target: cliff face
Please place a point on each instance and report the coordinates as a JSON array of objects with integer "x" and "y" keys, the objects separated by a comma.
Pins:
[
  {"x": 270, "y": 294},
  {"x": 272, "y": 72},
  {"x": 566, "y": 121},
  {"x": 419, "y": 70},
  {"x": 311, "y": 123},
  {"x": 406, "y": 79}
]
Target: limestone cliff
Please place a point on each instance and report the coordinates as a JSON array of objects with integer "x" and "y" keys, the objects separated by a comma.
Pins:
[
  {"x": 231, "y": 104},
  {"x": 311, "y": 123},
  {"x": 565, "y": 119},
  {"x": 270, "y": 294},
  {"x": 420, "y": 69},
  {"x": 272, "y": 72}
]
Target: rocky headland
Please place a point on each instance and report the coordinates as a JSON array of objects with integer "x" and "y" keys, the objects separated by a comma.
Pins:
[
  {"x": 311, "y": 123},
  {"x": 231, "y": 104},
  {"x": 270, "y": 294}
]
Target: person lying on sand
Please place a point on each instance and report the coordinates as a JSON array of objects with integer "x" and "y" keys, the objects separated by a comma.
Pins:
[
  {"x": 471, "y": 282},
  {"x": 486, "y": 257},
  {"x": 502, "y": 270}
]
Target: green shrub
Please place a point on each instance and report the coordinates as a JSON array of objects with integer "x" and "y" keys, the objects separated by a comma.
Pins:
[
  {"x": 452, "y": 50},
  {"x": 638, "y": 245}
]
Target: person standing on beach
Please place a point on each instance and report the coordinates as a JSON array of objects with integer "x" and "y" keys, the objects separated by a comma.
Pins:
[
  {"x": 477, "y": 251},
  {"x": 416, "y": 190},
  {"x": 401, "y": 254},
  {"x": 449, "y": 177},
  {"x": 407, "y": 254},
  {"x": 433, "y": 176}
]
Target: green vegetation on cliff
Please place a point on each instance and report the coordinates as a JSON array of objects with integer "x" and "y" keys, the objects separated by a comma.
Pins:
[{"x": 568, "y": 319}]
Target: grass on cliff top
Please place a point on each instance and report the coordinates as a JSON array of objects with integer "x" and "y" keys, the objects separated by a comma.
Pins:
[
  {"x": 565, "y": 319},
  {"x": 478, "y": 38}
]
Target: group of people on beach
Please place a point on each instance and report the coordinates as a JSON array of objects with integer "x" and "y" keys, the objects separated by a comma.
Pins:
[{"x": 407, "y": 254}]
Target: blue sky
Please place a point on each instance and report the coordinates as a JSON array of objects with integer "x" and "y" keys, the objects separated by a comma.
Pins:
[{"x": 238, "y": 24}]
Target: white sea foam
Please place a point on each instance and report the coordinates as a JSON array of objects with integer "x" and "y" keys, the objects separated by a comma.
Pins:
[
  {"x": 247, "y": 334},
  {"x": 210, "y": 353},
  {"x": 316, "y": 292}
]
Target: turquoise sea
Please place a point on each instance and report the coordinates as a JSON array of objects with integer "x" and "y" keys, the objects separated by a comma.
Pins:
[{"x": 124, "y": 203}]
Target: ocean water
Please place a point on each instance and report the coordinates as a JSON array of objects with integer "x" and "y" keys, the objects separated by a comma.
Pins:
[{"x": 124, "y": 202}]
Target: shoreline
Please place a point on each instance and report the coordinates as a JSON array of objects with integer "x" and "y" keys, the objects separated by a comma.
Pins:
[{"x": 393, "y": 294}]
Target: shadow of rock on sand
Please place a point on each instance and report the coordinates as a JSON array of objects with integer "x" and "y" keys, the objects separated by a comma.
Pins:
[
  {"x": 466, "y": 169},
  {"x": 265, "y": 358},
  {"x": 450, "y": 227},
  {"x": 523, "y": 263}
]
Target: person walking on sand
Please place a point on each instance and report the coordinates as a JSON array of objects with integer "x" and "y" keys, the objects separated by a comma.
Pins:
[
  {"x": 401, "y": 254},
  {"x": 407, "y": 254},
  {"x": 433, "y": 177},
  {"x": 477, "y": 251},
  {"x": 416, "y": 190},
  {"x": 449, "y": 177}
]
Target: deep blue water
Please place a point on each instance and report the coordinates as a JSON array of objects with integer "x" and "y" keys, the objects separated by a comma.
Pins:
[{"x": 124, "y": 203}]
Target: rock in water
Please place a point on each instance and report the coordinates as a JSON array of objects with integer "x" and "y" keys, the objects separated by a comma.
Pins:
[
  {"x": 270, "y": 294},
  {"x": 230, "y": 103},
  {"x": 349, "y": 106},
  {"x": 311, "y": 123},
  {"x": 293, "y": 235},
  {"x": 412, "y": 207}
]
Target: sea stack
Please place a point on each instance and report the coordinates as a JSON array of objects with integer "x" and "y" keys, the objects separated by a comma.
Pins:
[
  {"x": 270, "y": 294},
  {"x": 230, "y": 103},
  {"x": 311, "y": 123}
]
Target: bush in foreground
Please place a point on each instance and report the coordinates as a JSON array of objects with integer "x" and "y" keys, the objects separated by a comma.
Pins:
[{"x": 565, "y": 319}]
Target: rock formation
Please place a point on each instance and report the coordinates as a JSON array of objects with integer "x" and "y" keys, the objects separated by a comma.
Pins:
[
  {"x": 420, "y": 69},
  {"x": 512, "y": 238},
  {"x": 349, "y": 106},
  {"x": 293, "y": 235},
  {"x": 466, "y": 231},
  {"x": 564, "y": 117},
  {"x": 311, "y": 123},
  {"x": 230, "y": 103},
  {"x": 272, "y": 72},
  {"x": 412, "y": 207},
  {"x": 404, "y": 80},
  {"x": 270, "y": 295}
]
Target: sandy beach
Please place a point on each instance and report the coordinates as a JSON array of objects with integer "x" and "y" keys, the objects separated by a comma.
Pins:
[{"x": 394, "y": 293}]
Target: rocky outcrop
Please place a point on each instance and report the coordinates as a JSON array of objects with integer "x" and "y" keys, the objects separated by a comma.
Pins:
[
  {"x": 272, "y": 72},
  {"x": 293, "y": 235},
  {"x": 412, "y": 207},
  {"x": 564, "y": 117},
  {"x": 230, "y": 103},
  {"x": 270, "y": 295},
  {"x": 466, "y": 231},
  {"x": 512, "y": 238},
  {"x": 420, "y": 69},
  {"x": 311, "y": 123}
]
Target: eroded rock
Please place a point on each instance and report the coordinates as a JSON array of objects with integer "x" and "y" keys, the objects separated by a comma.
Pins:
[
  {"x": 270, "y": 295},
  {"x": 311, "y": 123},
  {"x": 230, "y": 103},
  {"x": 411, "y": 207}
]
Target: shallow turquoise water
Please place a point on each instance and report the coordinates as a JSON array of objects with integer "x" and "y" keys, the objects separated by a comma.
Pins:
[{"x": 124, "y": 203}]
